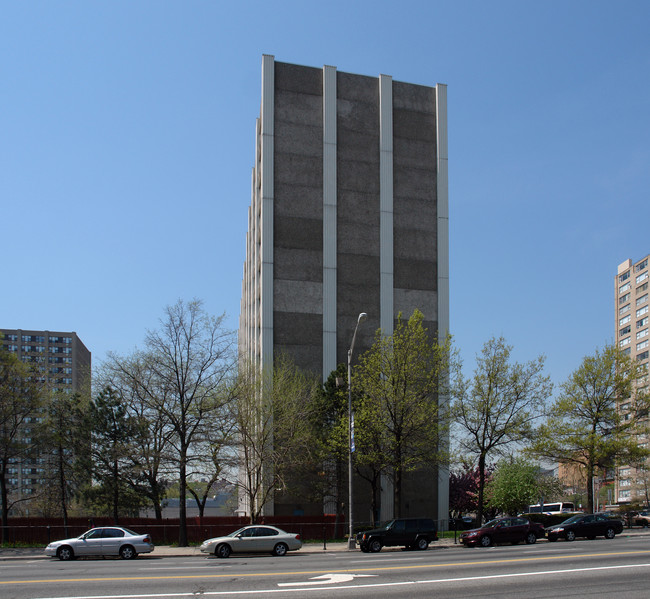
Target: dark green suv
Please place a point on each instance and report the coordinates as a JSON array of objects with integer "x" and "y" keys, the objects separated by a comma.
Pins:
[{"x": 412, "y": 533}]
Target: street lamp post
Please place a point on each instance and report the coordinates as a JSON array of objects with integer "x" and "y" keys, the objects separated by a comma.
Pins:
[{"x": 351, "y": 540}]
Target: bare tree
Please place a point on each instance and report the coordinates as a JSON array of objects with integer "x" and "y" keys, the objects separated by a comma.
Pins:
[
  {"x": 499, "y": 405},
  {"x": 151, "y": 457},
  {"x": 190, "y": 358}
]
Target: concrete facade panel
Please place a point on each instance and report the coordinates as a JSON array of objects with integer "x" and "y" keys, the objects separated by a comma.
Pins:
[
  {"x": 292, "y": 77},
  {"x": 297, "y": 328},
  {"x": 298, "y": 200},
  {"x": 414, "y": 125},
  {"x": 414, "y": 153},
  {"x": 298, "y": 264},
  {"x": 416, "y": 244},
  {"x": 407, "y": 300},
  {"x": 305, "y": 140},
  {"x": 416, "y": 98},
  {"x": 305, "y": 233},
  {"x": 305, "y": 297},
  {"x": 357, "y": 88},
  {"x": 414, "y": 213},
  {"x": 415, "y": 274},
  {"x": 303, "y": 356},
  {"x": 299, "y": 170},
  {"x": 415, "y": 183},
  {"x": 299, "y": 109},
  {"x": 361, "y": 237},
  {"x": 358, "y": 176}
]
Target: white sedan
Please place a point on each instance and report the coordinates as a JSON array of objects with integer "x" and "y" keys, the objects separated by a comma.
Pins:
[
  {"x": 107, "y": 540},
  {"x": 253, "y": 539}
]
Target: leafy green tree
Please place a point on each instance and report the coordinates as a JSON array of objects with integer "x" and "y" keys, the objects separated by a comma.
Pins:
[
  {"x": 113, "y": 431},
  {"x": 66, "y": 447},
  {"x": 399, "y": 426},
  {"x": 330, "y": 424},
  {"x": 586, "y": 425},
  {"x": 273, "y": 412},
  {"x": 20, "y": 407},
  {"x": 517, "y": 483},
  {"x": 499, "y": 406}
]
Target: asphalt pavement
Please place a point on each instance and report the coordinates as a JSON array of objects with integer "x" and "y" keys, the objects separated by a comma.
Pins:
[{"x": 9, "y": 553}]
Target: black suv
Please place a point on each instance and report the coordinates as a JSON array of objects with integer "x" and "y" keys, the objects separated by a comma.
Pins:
[{"x": 412, "y": 533}]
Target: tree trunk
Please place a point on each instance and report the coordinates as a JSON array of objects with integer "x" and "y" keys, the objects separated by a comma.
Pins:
[
  {"x": 481, "y": 487},
  {"x": 116, "y": 493},
  {"x": 5, "y": 508},
  {"x": 590, "y": 486},
  {"x": 182, "y": 488}
]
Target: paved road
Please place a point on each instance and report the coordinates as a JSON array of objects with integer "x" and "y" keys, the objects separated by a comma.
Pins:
[{"x": 619, "y": 568}]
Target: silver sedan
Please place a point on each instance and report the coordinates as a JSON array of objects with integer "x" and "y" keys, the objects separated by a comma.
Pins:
[
  {"x": 107, "y": 540},
  {"x": 253, "y": 539}
]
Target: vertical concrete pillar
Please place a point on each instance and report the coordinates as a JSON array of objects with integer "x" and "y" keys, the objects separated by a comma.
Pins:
[
  {"x": 443, "y": 273},
  {"x": 267, "y": 195}
]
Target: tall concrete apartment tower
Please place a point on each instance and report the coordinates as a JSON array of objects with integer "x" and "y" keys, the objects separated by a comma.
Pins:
[
  {"x": 64, "y": 364},
  {"x": 349, "y": 214},
  {"x": 632, "y": 313}
]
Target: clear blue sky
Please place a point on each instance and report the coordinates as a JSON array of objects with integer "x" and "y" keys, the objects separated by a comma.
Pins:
[{"x": 127, "y": 141}]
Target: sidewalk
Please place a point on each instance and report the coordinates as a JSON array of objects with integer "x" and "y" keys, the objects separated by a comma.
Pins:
[{"x": 9, "y": 553}]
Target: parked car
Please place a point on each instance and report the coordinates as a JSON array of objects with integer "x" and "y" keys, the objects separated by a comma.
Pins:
[
  {"x": 412, "y": 533},
  {"x": 104, "y": 541},
  {"x": 503, "y": 530},
  {"x": 253, "y": 539},
  {"x": 585, "y": 525},
  {"x": 462, "y": 523},
  {"x": 642, "y": 519}
]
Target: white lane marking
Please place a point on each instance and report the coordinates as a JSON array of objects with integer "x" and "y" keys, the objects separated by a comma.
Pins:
[
  {"x": 325, "y": 579},
  {"x": 357, "y": 587}
]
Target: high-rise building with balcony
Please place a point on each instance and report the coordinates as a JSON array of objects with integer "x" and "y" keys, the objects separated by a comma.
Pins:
[
  {"x": 632, "y": 322},
  {"x": 63, "y": 365},
  {"x": 349, "y": 214}
]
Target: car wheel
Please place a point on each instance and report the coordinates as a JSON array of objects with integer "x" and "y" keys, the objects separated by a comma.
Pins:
[
  {"x": 280, "y": 549},
  {"x": 127, "y": 552},
  {"x": 65, "y": 553},
  {"x": 531, "y": 538},
  {"x": 610, "y": 533},
  {"x": 570, "y": 535},
  {"x": 222, "y": 551},
  {"x": 486, "y": 541},
  {"x": 644, "y": 524},
  {"x": 422, "y": 543},
  {"x": 374, "y": 545}
]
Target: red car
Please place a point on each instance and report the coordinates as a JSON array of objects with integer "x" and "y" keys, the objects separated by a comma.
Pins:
[{"x": 503, "y": 530}]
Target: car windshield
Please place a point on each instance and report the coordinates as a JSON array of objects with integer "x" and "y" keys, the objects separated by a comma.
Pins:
[
  {"x": 491, "y": 524},
  {"x": 234, "y": 534}
]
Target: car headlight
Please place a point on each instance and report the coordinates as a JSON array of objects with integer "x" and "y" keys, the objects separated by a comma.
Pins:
[
  {"x": 472, "y": 534},
  {"x": 561, "y": 529}
]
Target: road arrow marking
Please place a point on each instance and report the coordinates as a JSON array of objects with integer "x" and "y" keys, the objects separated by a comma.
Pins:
[{"x": 325, "y": 579}]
